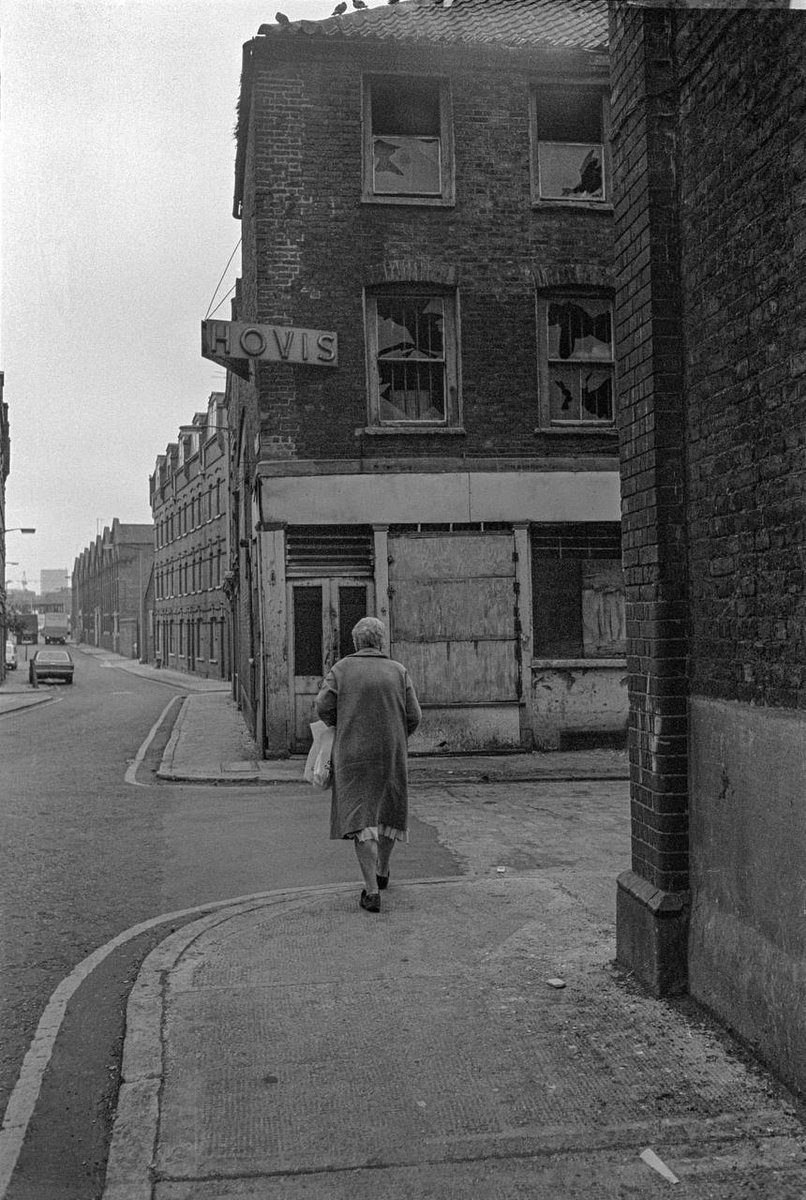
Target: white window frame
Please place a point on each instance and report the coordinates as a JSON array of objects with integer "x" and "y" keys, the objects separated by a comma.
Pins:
[
  {"x": 580, "y": 424},
  {"x": 446, "y": 194},
  {"x": 605, "y": 201},
  {"x": 452, "y": 421}
]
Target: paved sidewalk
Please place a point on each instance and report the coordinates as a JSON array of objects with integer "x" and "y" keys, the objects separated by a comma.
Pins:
[
  {"x": 210, "y": 744},
  {"x": 294, "y": 1047},
  {"x": 165, "y": 675}
]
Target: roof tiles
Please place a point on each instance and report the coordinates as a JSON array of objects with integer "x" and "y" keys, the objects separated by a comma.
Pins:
[{"x": 520, "y": 24}]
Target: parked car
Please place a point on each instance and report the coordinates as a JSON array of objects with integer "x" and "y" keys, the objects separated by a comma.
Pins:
[
  {"x": 50, "y": 664},
  {"x": 11, "y": 656}
]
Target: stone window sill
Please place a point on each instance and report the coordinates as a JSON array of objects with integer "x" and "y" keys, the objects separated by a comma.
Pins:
[
  {"x": 587, "y": 664},
  {"x": 410, "y": 201},
  {"x": 602, "y": 206},
  {"x": 409, "y": 430},
  {"x": 576, "y": 430}
]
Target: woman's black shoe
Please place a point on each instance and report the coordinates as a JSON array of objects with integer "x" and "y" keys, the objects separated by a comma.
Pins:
[
  {"x": 383, "y": 882},
  {"x": 370, "y": 903}
]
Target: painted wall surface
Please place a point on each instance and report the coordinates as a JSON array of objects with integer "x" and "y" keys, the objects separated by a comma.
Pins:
[
  {"x": 747, "y": 947},
  {"x": 467, "y": 727},
  {"x": 459, "y": 496},
  {"x": 578, "y": 697}
]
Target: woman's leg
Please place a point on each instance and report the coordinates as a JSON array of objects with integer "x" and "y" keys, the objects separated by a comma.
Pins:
[
  {"x": 385, "y": 847},
  {"x": 367, "y": 854}
]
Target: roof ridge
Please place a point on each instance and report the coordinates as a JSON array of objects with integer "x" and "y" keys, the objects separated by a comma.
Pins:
[{"x": 572, "y": 24}]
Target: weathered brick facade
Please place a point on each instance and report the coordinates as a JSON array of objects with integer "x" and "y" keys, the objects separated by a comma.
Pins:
[
  {"x": 317, "y": 247},
  {"x": 710, "y": 149},
  {"x": 310, "y": 452},
  {"x": 651, "y": 426}
]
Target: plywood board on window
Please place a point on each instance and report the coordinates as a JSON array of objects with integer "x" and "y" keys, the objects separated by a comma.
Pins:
[
  {"x": 604, "y": 629},
  {"x": 431, "y": 610},
  {"x": 450, "y": 556},
  {"x": 469, "y": 672}
]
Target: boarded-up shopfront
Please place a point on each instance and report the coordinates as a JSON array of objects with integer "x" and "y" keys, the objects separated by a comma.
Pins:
[
  {"x": 454, "y": 623},
  {"x": 507, "y": 611}
]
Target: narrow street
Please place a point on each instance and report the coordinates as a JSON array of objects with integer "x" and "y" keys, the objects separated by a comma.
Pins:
[
  {"x": 86, "y": 856},
  {"x": 505, "y": 884}
]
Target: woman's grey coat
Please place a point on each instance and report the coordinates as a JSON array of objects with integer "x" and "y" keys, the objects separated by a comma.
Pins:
[{"x": 371, "y": 701}]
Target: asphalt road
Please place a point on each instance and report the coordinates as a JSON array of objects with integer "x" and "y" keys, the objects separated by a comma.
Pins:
[{"x": 85, "y": 856}]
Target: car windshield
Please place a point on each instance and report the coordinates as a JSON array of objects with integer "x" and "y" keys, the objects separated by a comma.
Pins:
[{"x": 53, "y": 656}]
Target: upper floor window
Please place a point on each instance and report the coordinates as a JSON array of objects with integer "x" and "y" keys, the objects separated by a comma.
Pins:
[
  {"x": 411, "y": 335},
  {"x": 569, "y": 144},
  {"x": 577, "y": 361},
  {"x": 408, "y": 155}
]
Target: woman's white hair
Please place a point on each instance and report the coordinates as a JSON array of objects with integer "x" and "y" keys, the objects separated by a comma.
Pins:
[{"x": 369, "y": 634}]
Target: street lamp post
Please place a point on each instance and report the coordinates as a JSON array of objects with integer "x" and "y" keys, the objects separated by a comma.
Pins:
[{"x": 3, "y": 614}]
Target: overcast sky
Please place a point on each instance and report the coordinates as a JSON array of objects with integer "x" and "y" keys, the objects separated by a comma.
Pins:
[{"x": 118, "y": 165}]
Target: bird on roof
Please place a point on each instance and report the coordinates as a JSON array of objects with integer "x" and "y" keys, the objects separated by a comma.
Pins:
[
  {"x": 340, "y": 8},
  {"x": 359, "y": 4},
  {"x": 281, "y": 19}
]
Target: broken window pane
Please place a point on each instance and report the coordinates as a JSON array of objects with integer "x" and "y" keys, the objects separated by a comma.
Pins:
[
  {"x": 406, "y": 149},
  {"x": 406, "y": 166},
  {"x": 570, "y": 152},
  {"x": 570, "y": 172},
  {"x": 580, "y": 354},
  {"x": 411, "y": 358},
  {"x": 580, "y": 329}
]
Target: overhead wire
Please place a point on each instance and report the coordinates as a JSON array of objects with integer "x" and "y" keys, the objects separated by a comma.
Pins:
[
  {"x": 221, "y": 301},
  {"x": 218, "y": 285}
]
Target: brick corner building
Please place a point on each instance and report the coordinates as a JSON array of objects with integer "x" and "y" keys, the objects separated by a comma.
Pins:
[
  {"x": 426, "y": 428},
  {"x": 709, "y": 137}
]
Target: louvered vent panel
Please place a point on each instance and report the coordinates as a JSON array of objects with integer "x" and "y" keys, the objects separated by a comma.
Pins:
[
  {"x": 594, "y": 540},
  {"x": 314, "y": 550}
]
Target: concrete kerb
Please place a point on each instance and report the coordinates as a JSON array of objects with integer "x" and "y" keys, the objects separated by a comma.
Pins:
[
  {"x": 17, "y": 701},
  {"x": 135, "y": 1130},
  {"x": 166, "y": 767}
]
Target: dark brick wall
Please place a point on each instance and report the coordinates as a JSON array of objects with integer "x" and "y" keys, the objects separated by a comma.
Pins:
[
  {"x": 310, "y": 245},
  {"x": 743, "y": 241},
  {"x": 651, "y": 440}
]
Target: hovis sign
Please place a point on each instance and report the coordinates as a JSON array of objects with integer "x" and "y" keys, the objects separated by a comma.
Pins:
[{"x": 233, "y": 345}]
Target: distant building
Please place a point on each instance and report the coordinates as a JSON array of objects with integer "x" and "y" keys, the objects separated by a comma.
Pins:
[
  {"x": 53, "y": 580},
  {"x": 110, "y": 578},
  {"x": 189, "y": 493},
  {"x": 430, "y": 435}
]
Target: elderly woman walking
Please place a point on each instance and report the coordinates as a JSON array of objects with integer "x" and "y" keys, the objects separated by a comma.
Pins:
[{"x": 370, "y": 700}]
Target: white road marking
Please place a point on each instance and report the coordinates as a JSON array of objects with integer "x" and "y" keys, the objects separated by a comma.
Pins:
[
  {"x": 131, "y": 772},
  {"x": 23, "y": 1098}
]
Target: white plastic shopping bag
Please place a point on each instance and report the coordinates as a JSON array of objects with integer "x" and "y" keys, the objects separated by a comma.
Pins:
[{"x": 317, "y": 765}]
